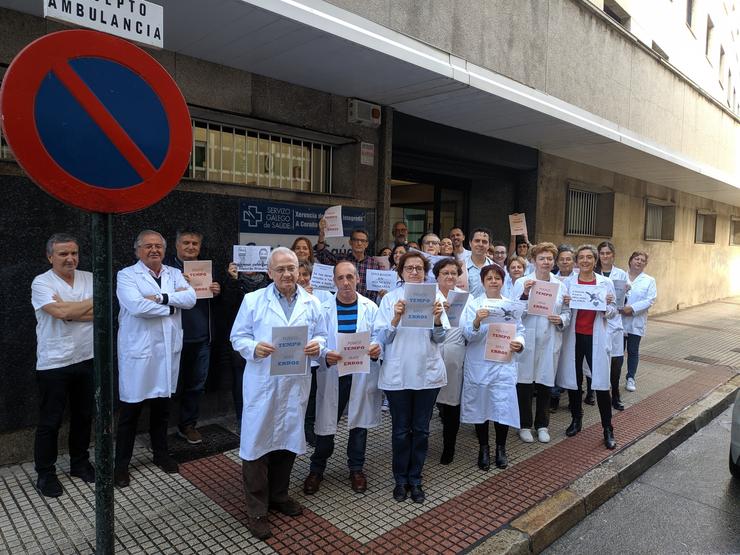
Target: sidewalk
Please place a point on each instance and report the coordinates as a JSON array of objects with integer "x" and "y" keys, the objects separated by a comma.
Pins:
[{"x": 685, "y": 357}]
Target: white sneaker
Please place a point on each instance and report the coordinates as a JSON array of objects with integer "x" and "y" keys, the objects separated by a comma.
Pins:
[
  {"x": 543, "y": 435},
  {"x": 631, "y": 386},
  {"x": 526, "y": 436},
  {"x": 385, "y": 407}
]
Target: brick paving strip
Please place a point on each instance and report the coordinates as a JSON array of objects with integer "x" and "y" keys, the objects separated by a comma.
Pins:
[{"x": 463, "y": 521}]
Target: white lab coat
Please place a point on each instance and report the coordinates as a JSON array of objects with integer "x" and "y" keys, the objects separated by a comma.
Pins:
[
  {"x": 149, "y": 337},
  {"x": 538, "y": 362},
  {"x": 489, "y": 388},
  {"x": 274, "y": 406},
  {"x": 640, "y": 297},
  {"x": 616, "y": 327},
  {"x": 602, "y": 347},
  {"x": 453, "y": 355},
  {"x": 411, "y": 359},
  {"x": 365, "y": 398}
]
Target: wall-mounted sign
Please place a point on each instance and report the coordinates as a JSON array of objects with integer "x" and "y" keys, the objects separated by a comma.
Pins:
[
  {"x": 136, "y": 20},
  {"x": 367, "y": 154}
]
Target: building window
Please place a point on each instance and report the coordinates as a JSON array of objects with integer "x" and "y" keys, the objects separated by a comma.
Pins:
[
  {"x": 722, "y": 67},
  {"x": 709, "y": 37},
  {"x": 660, "y": 221},
  {"x": 250, "y": 157},
  {"x": 734, "y": 231},
  {"x": 689, "y": 12},
  {"x": 706, "y": 225},
  {"x": 617, "y": 13},
  {"x": 589, "y": 211}
]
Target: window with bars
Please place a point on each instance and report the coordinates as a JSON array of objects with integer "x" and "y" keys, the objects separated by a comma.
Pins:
[
  {"x": 250, "y": 157},
  {"x": 589, "y": 212},
  {"x": 706, "y": 226},
  {"x": 734, "y": 231},
  {"x": 660, "y": 221}
]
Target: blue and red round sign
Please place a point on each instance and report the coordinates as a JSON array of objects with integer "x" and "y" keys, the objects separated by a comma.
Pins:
[{"x": 95, "y": 121}]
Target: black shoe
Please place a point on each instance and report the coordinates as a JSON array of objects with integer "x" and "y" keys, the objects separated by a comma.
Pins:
[
  {"x": 289, "y": 507},
  {"x": 417, "y": 494},
  {"x": 575, "y": 427},
  {"x": 49, "y": 485},
  {"x": 609, "y": 440},
  {"x": 84, "y": 471},
  {"x": 121, "y": 479},
  {"x": 448, "y": 456},
  {"x": 166, "y": 463},
  {"x": 554, "y": 404},
  {"x": 502, "y": 461},
  {"x": 484, "y": 457},
  {"x": 590, "y": 399},
  {"x": 617, "y": 403},
  {"x": 400, "y": 492}
]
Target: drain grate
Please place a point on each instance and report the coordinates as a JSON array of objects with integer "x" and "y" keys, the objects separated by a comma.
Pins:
[
  {"x": 216, "y": 439},
  {"x": 703, "y": 360}
]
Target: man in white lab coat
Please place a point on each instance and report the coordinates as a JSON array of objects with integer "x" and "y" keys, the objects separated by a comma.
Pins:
[
  {"x": 347, "y": 312},
  {"x": 274, "y": 405},
  {"x": 152, "y": 297}
]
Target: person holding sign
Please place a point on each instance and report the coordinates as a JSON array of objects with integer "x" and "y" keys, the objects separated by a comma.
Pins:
[
  {"x": 605, "y": 266},
  {"x": 546, "y": 315},
  {"x": 347, "y": 315},
  {"x": 588, "y": 339},
  {"x": 411, "y": 375},
  {"x": 641, "y": 297},
  {"x": 196, "y": 330},
  {"x": 447, "y": 272},
  {"x": 489, "y": 382},
  {"x": 274, "y": 405}
]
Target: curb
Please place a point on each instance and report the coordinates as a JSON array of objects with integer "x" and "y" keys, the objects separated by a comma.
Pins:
[{"x": 534, "y": 530}]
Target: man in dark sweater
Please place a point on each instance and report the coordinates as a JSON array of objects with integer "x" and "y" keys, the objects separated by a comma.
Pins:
[{"x": 196, "y": 348}]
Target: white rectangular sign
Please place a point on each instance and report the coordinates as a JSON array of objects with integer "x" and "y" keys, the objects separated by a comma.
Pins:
[
  {"x": 518, "y": 224},
  {"x": 587, "y": 297},
  {"x": 333, "y": 218},
  {"x": 381, "y": 280},
  {"x": 288, "y": 358},
  {"x": 322, "y": 277},
  {"x": 620, "y": 288},
  {"x": 354, "y": 349},
  {"x": 456, "y": 301},
  {"x": 498, "y": 342},
  {"x": 135, "y": 20},
  {"x": 200, "y": 273},
  {"x": 249, "y": 258},
  {"x": 542, "y": 298},
  {"x": 419, "y": 299}
]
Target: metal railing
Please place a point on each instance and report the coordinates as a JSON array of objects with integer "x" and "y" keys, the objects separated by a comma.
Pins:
[{"x": 581, "y": 217}]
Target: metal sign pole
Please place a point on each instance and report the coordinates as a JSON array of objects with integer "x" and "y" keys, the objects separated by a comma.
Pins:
[{"x": 102, "y": 247}]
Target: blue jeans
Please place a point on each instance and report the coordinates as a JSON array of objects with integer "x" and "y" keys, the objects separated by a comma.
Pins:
[
  {"x": 411, "y": 411},
  {"x": 194, "y": 362},
  {"x": 632, "y": 346},
  {"x": 357, "y": 437}
]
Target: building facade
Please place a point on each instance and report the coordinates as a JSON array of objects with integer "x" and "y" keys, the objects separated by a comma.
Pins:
[{"x": 599, "y": 120}]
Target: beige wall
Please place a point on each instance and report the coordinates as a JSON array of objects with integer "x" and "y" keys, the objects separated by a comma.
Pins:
[
  {"x": 687, "y": 273},
  {"x": 568, "y": 49}
]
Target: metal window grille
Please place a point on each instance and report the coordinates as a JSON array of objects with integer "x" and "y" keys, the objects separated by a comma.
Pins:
[
  {"x": 581, "y": 217},
  {"x": 251, "y": 157},
  {"x": 654, "y": 223}
]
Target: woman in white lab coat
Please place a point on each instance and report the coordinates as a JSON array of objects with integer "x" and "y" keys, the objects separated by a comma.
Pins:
[
  {"x": 640, "y": 298},
  {"x": 489, "y": 388},
  {"x": 605, "y": 266},
  {"x": 447, "y": 271},
  {"x": 539, "y": 362},
  {"x": 588, "y": 338},
  {"x": 514, "y": 270},
  {"x": 411, "y": 375}
]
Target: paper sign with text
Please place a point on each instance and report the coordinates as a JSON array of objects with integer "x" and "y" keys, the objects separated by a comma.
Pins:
[
  {"x": 518, "y": 224},
  {"x": 200, "y": 273},
  {"x": 288, "y": 358},
  {"x": 380, "y": 280},
  {"x": 542, "y": 298},
  {"x": 333, "y": 218},
  {"x": 587, "y": 297},
  {"x": 249, "y": 258},
  {"x": 498, "y": 340},
  {"x": 354, "y": 349},
  {"x": 620, "y": 288},
  {"x": 323, "y": 277},
  {"x": 456, "y": 301},
  {"x": 419, "y": 299}
]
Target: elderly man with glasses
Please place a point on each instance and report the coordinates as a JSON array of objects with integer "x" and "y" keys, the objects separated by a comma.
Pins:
[{"x": 359, "y": 240}]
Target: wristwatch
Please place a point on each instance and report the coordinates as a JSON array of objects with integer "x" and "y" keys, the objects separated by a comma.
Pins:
[{"x": 158, "y": 298}]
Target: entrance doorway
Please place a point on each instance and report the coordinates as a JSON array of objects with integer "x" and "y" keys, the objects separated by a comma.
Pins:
[{"x": 437, "y": 204}]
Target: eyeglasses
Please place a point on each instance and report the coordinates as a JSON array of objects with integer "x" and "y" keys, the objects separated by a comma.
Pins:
[
  {"x": 449, "y": 274},
  {"x": 413, "y": 269},
  {"x": 355, "y": 240},
  {"x": 431, "y": 242}
]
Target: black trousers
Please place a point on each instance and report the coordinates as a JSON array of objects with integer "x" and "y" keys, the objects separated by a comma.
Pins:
[
  {"x": 266, "y": 481},
  {"x": 450, "y": 425},
  {"x": 502, "y": 431},
  {"x": 128, "y": 418},
  {"x": 616, "y": 372},
  {"x": 584, "y": 350},
  {"x": 55, "y": 385},
  {"x": 524, "y": 393},
  {"x": 310, "y": 417}
]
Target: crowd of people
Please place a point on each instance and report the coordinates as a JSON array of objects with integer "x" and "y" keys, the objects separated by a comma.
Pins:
[{"x": 165, "y": 335}]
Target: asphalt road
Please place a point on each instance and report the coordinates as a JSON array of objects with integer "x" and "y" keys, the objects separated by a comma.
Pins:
[{"x": 687, "y": 503}]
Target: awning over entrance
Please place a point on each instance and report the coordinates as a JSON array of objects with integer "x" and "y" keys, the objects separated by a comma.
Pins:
[{"x": 317, "y": 45}]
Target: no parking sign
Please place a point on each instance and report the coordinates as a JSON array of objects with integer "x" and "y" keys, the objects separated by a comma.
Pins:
[{"x": 95, "y": 121}]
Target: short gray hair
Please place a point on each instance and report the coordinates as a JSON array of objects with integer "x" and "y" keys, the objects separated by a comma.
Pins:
[
  {"x": 146, "y": 232},
  {"x": 588, "y": 247},
  {"x": 59, "y": 238},
  {"x": 281, "y": 250}
]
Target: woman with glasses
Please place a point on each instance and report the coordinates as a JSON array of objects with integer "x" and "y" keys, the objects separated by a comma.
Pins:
[{"x": 411, "y": 376}]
